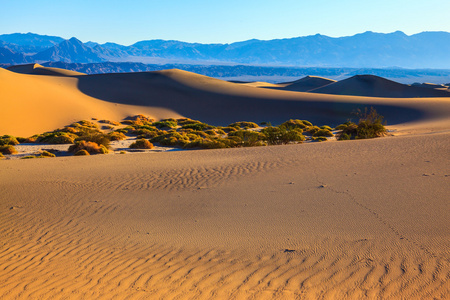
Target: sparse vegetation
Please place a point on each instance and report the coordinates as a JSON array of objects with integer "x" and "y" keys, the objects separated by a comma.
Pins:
[
  {"x": 370, "y": 125},
  {"x": 87, "y": 138}
]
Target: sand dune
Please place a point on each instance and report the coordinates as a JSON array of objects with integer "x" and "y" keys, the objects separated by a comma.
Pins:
[
  {"x": 174, "y": 93},
  {"x": 37, "y": 69},
  {"x": 34, "y": 104},
  {"x": 374, "y": 86},
  {"x": 306, "y": 84},
  {"x": 358, "y": 219}
]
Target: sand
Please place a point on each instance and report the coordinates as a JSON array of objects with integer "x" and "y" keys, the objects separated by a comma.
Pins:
[
  {"x": 333, "y": 220},
  {"x": 326, "y": 220}
]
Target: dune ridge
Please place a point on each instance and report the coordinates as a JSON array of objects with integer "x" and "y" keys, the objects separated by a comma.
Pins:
[{"x": 375, "y": 86}]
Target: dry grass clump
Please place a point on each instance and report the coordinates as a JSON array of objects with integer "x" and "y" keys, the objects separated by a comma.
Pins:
[
  {"x": 28, "y": 157},
  {"x": 91, "y": 147},
  {"x": 8, "y": 149},
  {"x": 141, "y": 144},
  {"x": 370, "y": 125},
  {"x": 8, "y": 140},
  {"x": 1, "y": 155}
]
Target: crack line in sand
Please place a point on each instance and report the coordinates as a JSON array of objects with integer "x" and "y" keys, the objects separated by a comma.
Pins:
[{"x": 376, "y": 215}]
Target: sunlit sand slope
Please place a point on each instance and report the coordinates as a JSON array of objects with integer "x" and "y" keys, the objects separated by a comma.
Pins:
[
  {"x": 33, "y": 104},
  {"x": 357, "y": 219}
]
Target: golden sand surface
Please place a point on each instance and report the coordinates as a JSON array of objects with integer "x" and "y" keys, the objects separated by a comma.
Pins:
[
  {"x": 362, "y": 219},
  {"x": 357, "y": 219}
]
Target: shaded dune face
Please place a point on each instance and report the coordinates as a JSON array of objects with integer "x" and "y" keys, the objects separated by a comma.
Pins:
[
  {"x": 374, "y": 86},
  {"x": 305, "y": 84},
  {"x": 221, "y": 103}
]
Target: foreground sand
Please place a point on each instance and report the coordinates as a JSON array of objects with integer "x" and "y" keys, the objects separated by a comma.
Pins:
[{"x": 336, "y": 220}]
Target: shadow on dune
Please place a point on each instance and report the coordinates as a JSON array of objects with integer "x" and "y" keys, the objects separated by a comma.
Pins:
[{"x": 227, "y": 103}]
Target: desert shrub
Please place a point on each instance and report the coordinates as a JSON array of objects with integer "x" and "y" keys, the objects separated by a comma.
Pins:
[
  {"x": 91, "y": 147},
  {"x": 281, "y": 135},
  {"x": 138, "y": 120},
  {"x": 197, "y": 126},
  {"x": 28, "y": 157},
  {"x": 344, "y": 136},
  {"x": 370, "y": 125},
  {"x": 172, "y": 139},
  {"x": 168, "y": 123},
  {"x": 319, "y": 139},
  {"x": 141, "y": 144},
  {"x": 22, "y": 139},
  {"x": 8, "y": 140},
  {"x": 311, "y": 130},
  {"x": 323, "y": 133},
  {"x": 243, "y": 124},
  {"x": 97, "y": 138},
  {"x": 1, "y": 155},
  {"x": 116, "y": 136},
  {"x": 210, "y": 132},
  {"x": 326, "y": 127},
  {"x": 122, "y": 152},
  {"x": 249, "y": 138},
  {"x": 45, "y": 153},
  {"x": 81, "y": 152},
  {"x": 57, "y": 137},
  {"x": 291, "y": 124},
  {"x": 307, "y": 123},
  {"x": 114, "y": 123},
  {"x": 8, "y": 149},
  {"x": 220, "y": 131},
  {"x": 229, "y": 129}
]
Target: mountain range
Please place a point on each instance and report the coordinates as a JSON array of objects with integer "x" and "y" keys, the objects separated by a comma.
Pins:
[{"x": 365, "y": 50}]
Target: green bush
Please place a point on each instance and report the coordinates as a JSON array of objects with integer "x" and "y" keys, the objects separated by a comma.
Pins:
[
  {"x": 45, "y": 153},
  {"x": 56, "y": 138},
  {"x": 8, "y": 149},
  {"x": 168, "y": 123},
  {"x": 141, "y": 144},
  {"x": 319, "y": 139},
  {"x": 291, "y": 124},
  {"x": 323, "y": 133},
  {"x": 8, "y": 140},
  {"x": 81, "y": 152},
  {"x": 249, "y": 138},
  {"x": 326, "y": 127},
  {"x": 243, "y": 124},
  {"x": 281, "y": 135},
  {"x": 370, "y": 125}
]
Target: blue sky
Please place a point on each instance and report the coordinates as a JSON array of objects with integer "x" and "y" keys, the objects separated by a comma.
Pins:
[{"x": 211, "y": 21}]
